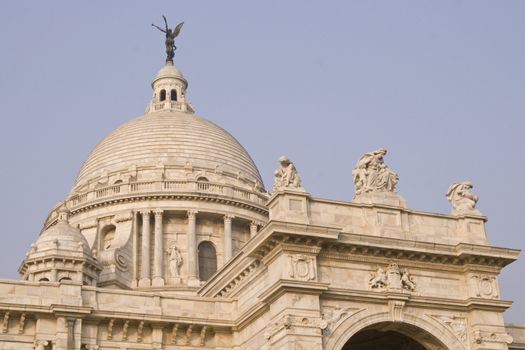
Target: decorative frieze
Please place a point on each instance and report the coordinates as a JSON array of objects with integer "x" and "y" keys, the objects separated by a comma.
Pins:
[
  {"x": 482, "y": 337},
  {"x": 282, "y": 324},
  {"x": 287, "y": 322}
]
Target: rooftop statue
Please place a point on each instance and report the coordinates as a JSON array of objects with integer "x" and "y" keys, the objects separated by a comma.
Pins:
[
  {"x": 286, "y": 176},
  {"x": 462, "y": 200},
  {"x": 372, "y": 175},
  {"x": 171, "y": 34}
]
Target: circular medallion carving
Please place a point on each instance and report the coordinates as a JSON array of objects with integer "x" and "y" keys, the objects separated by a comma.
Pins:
[
  {"x": 302, "y": 268},
  {"x": 485, "y": 287}
]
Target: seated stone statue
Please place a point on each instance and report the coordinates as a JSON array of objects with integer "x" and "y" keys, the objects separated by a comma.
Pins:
[
  {"x": 462, "y": 199},
  {"x": 372, "y": 175},
  {"x": 286, "y": 176}
]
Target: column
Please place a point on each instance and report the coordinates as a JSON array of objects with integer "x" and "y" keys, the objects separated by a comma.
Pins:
[
  {"x": 134, "y": 254},
  {"x": 228, "y": 237},
  {"x": 145, "y": 280},
  {"x": 193, "y": 278},
  {"x": 253, "y": 229},
  {"x": 158, "y": 252}
]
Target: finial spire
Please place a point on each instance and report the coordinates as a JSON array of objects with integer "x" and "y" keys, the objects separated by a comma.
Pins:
[{"x": 171, "y": 34}]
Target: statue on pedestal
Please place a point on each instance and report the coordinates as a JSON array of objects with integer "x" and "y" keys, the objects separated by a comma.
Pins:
[
  {"x": 286, "y": 176},
  {"x": 372, "y": 175},
  {"x": 175, "y": 261},
  {"x": 462, "y": 199}
]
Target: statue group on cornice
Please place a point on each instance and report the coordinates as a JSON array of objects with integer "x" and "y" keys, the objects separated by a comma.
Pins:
[
  {"x": 462, "y": 199},
  {"x": 286, "y": 176},
  {"x": 371, "y": 174}
]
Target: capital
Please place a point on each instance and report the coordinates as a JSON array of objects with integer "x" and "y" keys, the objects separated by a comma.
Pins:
[
  {"x": 158, "y": 212},
  {"x": 192, "y": 213},
  {"x": 145, "y": 212},
  {"x": 228, "y": 217}
]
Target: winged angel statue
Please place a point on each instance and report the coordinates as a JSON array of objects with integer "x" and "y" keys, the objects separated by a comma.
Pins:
[{"x": 171, "y": 34}]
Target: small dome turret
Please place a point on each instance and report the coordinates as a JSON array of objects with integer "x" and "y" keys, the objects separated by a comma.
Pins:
[{"x": 65, "y": 253}]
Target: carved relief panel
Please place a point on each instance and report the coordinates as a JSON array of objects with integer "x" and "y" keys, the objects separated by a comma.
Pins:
[
  {"x": 302, "y": 267},
  {"x": 484, "y": 286}
]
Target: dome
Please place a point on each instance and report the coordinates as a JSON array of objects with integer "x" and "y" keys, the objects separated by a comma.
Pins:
[
  {"x": 62, "y": 236},
  {"x": 168, "y": 71},
  {"x": 173, "y": 138}
]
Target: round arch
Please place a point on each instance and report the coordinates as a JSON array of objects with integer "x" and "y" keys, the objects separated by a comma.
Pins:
[
  {"x": 207, "y": 255},
  {"x": 431, "y": 334}
]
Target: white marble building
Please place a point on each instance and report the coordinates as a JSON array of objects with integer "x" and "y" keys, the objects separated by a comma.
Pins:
[{"x": 169, "y": 240}]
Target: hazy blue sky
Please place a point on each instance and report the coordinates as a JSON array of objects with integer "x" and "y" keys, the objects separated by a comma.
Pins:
[{"x": 440, "y": 84}]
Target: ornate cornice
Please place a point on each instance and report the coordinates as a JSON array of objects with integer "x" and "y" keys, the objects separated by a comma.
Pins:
[{"x": 462, "y": 254}]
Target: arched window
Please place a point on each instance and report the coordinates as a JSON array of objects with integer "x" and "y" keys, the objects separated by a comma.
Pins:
[
  {"x": 203, "y": 184},
  {"x": 64, "y": 279},
  {"x": 207, "y": 260},
  {"x": 162, "y": 95},
  {"x": 173, "y": 95},
  {"x": 45, "y": 279}
]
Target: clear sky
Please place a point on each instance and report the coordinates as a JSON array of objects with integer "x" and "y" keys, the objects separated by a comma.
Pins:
[{"x": 440, "y": 84}]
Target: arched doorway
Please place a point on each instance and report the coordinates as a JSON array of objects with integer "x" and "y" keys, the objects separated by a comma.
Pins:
[{"x": 393, "y": 336}]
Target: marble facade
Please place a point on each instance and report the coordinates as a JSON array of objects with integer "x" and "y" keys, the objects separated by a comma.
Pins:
[{"x": 168, "y": 240}]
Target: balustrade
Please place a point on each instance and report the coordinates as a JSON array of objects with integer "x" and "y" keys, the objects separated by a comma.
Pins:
[{"x": 166, "y": 186}]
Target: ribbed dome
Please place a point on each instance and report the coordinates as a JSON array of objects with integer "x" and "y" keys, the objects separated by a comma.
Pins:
[
  {"x": 168, "y": 71},
  {"x": 173, "y": 138},
  {"x": 64, "y": 237}
]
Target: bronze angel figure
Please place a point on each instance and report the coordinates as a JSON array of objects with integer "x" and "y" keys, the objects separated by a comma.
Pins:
[{"x": 171, "y": 34}]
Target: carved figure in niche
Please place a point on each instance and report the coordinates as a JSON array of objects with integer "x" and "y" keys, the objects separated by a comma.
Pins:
[
  {"x": 406, "y": 280},
  {"x": 461, "y": 198},
  {"x": 175, "y": 260},
  {"x": 286, "y": 175},
  {"x": 108, "y": 239},
  {"x": 372, "y": 175},
  {"x": 378, "y": 279}
]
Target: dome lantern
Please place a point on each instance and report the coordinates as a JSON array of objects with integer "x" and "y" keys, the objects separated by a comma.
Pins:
[{"x": 169, "y": 91}]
